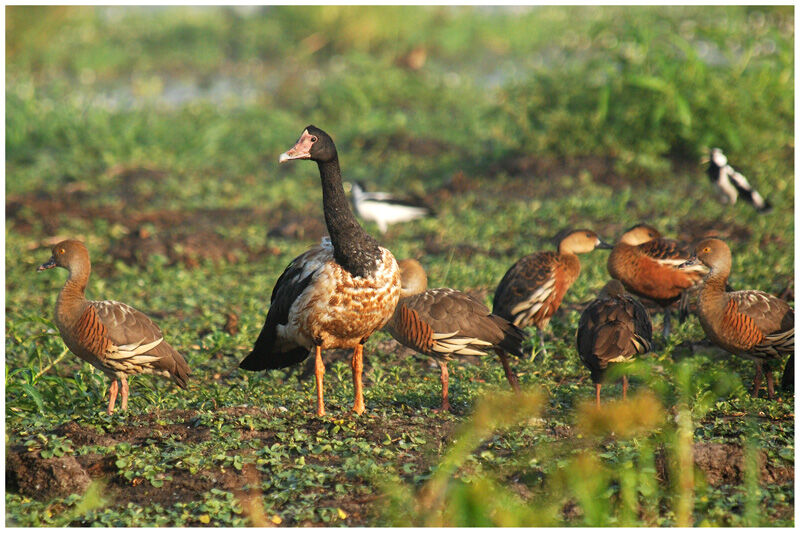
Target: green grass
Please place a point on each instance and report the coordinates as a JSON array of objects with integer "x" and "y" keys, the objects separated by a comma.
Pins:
[{"x": 518, "y": 124}]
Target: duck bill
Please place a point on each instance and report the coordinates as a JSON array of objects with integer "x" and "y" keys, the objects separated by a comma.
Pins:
[
  {"x": 301, "y": 150},
  {"x": 50, "y": 264},
  {"x": 603, "y": 245},
  {"x": 689, "y": 262}
]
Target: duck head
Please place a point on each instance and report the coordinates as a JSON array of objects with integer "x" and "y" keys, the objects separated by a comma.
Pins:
[
  {"x": 313, "y": 144},
  {"x": 66, "y": 254},
  {"x": 713, "y": 253},
  {"x": 413, "y": 279},
  {"x": 639, "y": 234},
  {"x": 580, "y": 241}
]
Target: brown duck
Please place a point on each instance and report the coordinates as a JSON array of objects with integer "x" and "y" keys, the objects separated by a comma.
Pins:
[
  {"x": 751, "y": 324},
  {"x": 647, "y": 265},
  {"x": 112, "y": 336},
  {"x": 445, "y": 323},
  {"x": 532, "y": 289},
  {"x": 333, "y": 296},
  {"x": 614, "y": 328}
]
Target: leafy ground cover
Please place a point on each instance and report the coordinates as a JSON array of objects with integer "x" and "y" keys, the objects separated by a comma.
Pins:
[{"x": 153, "y": 134}]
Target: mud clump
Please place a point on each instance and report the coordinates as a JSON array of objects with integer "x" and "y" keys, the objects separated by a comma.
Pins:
[
  {"x": 29, "y": 474},
  {"x": 724, "y": 464}
]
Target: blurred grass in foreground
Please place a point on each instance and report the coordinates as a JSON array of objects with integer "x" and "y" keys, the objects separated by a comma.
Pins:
[{"x": 518, "y": 123}]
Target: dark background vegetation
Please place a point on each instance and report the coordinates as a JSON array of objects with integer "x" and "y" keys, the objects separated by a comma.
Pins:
[{"x": 153, "y": 133}]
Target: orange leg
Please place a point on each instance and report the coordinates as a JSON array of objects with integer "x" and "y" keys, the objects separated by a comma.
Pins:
[
  {"x": 124, "y": 390},
  {"x": 319, "y": 372},
  {"x": 445, "y": 384},
  {"x": 358, "y": 368},
  {"x": 597, "y": 394},
  {"x": 510, "y": 375},
  {"x": 624, "y": 387},
  {"x": 113, "y": 395}
]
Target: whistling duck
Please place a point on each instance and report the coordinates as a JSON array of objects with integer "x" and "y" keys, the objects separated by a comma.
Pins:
[
  {"x": 333, "y": 296},
  {"x": 730, "y": 183},
  {"x": 532, "y": 289},
  {"x": 445, "y": 323},
  {"x": 384, "y": 208},
  {"x": 751, "y": 324},
  {"x": 614, "y": 328},
  {"x": 111, "y": 336},
  {"x": 647, "y": 265}
]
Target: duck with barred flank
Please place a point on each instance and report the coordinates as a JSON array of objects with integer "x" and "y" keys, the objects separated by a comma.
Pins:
[
  {"x": 613, "y": 329},
  {"x": 532, "y": 289},
  {"x": 445, "y": 323},
  {"x": 111, "y": 336},
  {"x": 333, "y": 296},
  {"x": 647, "y": 265},
  {"x": 750, "y": 323}
]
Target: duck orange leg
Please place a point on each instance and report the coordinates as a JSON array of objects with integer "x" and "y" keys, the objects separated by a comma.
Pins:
[
  {"x": 319, "y": 372},
  {"x": 510, "y": 375},
  {"x": 112, "y": 391},
  {"x": 597, "y": 394},
  {"x": 358, "y": 368},
  {"x": 624, "y": 387},
  {"x": 124, "y": 390},
  {"x": 445, "y": 376}
]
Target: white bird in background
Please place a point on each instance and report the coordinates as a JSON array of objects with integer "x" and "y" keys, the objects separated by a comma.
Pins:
[
  {"x": 731, "y": 183},
  {"x": 384, "y": 208}
]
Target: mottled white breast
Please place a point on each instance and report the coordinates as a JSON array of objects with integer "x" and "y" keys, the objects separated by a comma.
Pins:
[{"x": 338, "y": 310}]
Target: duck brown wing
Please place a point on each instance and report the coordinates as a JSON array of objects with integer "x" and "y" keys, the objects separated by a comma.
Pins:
[
  {"x": 452, "y": 311},
  {"x": 613, "y": 330},
  {"x": 137, "y": 341},
  {"x": 769, "y": 313},
  {"x": 642, "y": 325},
  {"x": 664, "y": 249},
  {"x": 443, "y": 322},
  {"x": 268, "y": 352},
  {"x": 525, "y": 287}
]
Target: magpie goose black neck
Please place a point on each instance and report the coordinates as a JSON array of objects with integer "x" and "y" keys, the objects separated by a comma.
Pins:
[{"x": 353, "y": 248}]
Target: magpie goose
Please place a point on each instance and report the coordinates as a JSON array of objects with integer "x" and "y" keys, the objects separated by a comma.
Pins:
[{"x": 731, "y": 183}]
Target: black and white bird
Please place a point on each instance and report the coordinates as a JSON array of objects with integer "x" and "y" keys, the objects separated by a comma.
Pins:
[
  {"x": 731, "y": 183},
  {"x": 384, "y": 208}
]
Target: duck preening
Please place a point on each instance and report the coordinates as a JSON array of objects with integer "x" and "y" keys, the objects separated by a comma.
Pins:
[
  {"x": 532, "y": 289},
  {"x": 647, "y": 265},
  {"x": 731, "y": 184},
  {"x": 750, "y": 323},
  {"x": 384, "y": 208},
  {"x": 446, "y": 323},
  {"x": 333, "y": 296},
  {"x": 111, "y": 336},
  {"x": 613, "y": 329}
]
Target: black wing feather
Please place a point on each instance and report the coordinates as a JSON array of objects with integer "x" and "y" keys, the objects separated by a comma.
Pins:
[{"x": 287, "y": 289}]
